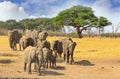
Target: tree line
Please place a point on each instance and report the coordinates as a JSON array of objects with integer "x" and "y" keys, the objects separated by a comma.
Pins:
[{"x": 80, "y": 17}]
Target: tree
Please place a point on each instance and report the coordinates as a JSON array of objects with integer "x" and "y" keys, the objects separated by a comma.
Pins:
[
  {"x": 80, "y": 17},
  {"x": 2, "y": 24},
  {"x": 44, "y": 23},
  {"x": 11, "y": 24},
  {"x": 28, "y": 23},
  {"x": 102, "y": 22}
]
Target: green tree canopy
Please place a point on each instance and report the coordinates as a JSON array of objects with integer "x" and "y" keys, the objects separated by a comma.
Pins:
[
  {"x": 28, "y": 23},
  {"x": 43, "y": 23},
  {"x": 79, "y": 17}
]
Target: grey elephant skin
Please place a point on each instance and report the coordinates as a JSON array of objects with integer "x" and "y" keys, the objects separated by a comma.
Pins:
[
  {"x": 57, "y": 47},
  {"x": 43, "y": 44},
  {"x": 14, "y": 37},
  {"x": 25, "y": 42},
  {"x": 68, "y": 50},
  {"x": 48, "y": 56},
  {"x": 33, "y": 54}
]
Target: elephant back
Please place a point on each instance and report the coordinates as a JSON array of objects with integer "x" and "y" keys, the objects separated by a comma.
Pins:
[
  {"x": 44, "y": 43},
  {"x": 28, "y": 33}
]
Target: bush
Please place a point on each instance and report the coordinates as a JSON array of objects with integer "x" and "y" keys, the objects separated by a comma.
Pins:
[
  {"x": 51, "y": 33},
  {"x": 73, "y": 34},
  {"x": 3, "y": 31},
  {"x": 110, "y": 35}
]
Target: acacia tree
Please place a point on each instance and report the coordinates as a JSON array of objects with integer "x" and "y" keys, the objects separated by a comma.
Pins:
[
  {"x": 80, "y": 17},
  {"x": 102, "y": 22}
]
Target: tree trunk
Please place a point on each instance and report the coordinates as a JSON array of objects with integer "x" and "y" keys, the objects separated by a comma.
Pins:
[{"x": 79, "y": 31}]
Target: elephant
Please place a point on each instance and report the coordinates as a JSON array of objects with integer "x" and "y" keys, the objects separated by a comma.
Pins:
[
  {"x": 44, "y": 43},
  {"x": 26, "y": 41},
  {"x": 68, "y": 50},
  {"x": 14, "y": 37},
  {"x": 34, "y": 36},
  {"x": 52, "y": 61},
  {"x": 57, "y": 47},
  {"x": 27, "y": 33},
  {"x": 42, "y": 35},
  {"x": 48, "y": 56},
  {"x": 33, "y": 55}
]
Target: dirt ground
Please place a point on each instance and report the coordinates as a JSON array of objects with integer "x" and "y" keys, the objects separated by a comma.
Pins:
[{"x": 95, "y": 58}]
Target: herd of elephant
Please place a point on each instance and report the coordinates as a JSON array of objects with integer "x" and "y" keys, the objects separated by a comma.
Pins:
[{"x": 38, "y": 50}]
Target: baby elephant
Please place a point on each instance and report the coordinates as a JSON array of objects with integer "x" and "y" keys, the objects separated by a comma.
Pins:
[
  {"x": 33, "y": 54},
  {"x": 48, "y": 56},
  {"x": 53, "y": 61}
]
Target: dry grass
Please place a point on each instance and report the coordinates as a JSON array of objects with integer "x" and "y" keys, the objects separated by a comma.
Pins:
[
  {"x": 96, "y": 47},
  {"x": 95, "y": 58}
]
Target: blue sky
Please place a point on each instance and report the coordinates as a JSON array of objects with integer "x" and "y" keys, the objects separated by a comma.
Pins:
[{"x": 20, "y": 9}]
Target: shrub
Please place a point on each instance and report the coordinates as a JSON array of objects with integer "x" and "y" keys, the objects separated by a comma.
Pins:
[{"x": 3, "y": 31}]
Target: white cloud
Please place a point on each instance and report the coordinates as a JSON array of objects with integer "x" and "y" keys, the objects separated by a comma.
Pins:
[
  {"x": 9, "y": 10},
  {"x": 104, "y": 8},
  {"x": 46, "y": 8}
]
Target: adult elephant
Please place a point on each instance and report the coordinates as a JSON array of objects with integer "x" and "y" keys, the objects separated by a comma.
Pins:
[
  {"x": 25, "y": 42},
  {"x": 43, "y": 44},
  {"x": 33, "y": 54},
  {"x": 14, "y": 37},
  {"x": 57, "y": 47},
  {"x": 33, "y": 34},
  {"x": 68, "y": 50},
  {"x": 42, "y": 35}
]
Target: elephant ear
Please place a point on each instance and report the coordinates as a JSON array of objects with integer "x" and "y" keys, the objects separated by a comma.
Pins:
[{"x": 72, "y": 46}]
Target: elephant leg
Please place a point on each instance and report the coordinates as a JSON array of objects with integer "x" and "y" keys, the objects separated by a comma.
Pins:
[
  {"x": 25, "y": 66},
  {"x": 64, "y": 57},
  {"x": 39, "y": 67},
  {"x": 29, "y": 68},
  {"x": 14, "y": 46},
  {"x": 50, "y": 63},
  {"x": 56, "y": 54},
  {"x": 35, "y": 66},
  {"x": 55, "y": 64},
  {"x": 71, "y": 60},
  {"x": 67, "y": 57},
  {"x": 47, "y": 64}
]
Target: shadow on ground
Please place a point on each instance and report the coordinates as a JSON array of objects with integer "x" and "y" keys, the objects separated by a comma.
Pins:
[
  {"x": 52, "y": 73},
  {"x": 6, "y": 61},
  {"x": 84, "y": 63},
  {"x": 59, "y": 68}
]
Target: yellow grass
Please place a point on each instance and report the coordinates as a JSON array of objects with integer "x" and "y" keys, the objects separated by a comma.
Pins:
[
  {"x": 86, "y": 47},
  {"x": 95, "y": 47}
]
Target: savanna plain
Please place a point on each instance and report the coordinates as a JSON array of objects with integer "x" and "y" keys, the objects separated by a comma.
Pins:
[{"x": 94, "y": 58}]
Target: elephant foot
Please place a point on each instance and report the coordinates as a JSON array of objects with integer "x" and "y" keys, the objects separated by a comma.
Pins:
[
  {"x": 39, "y": 74},
  {"x": 29, "y": 73}
]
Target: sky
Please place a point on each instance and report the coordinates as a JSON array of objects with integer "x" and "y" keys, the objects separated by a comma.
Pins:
[{"x": 21, "y": 9}]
